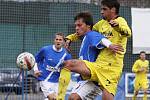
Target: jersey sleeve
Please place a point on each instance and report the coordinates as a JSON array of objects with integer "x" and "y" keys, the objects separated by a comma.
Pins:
[
  {"x": 135, "y": 67},
  {"x": 147, "y": 69},
  {"x": 72, "y": 37},
  {"x": 95, "y": 27},
  {"x": 95, "y": 40},
  {"x": 40, "y": 55},
  {"x": 123, "y": 27},
  {"x": 68, "y": 56}
]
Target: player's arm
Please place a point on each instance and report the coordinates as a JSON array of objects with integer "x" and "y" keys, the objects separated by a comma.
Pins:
[
  {"x": 37, "y": 72},
  {"x": 38, "y": 58},
  {"x": 147, "y": 67},
  {"x": 135, "y": 67},
  {"x": 99, "y": 41},
  {"x": 72, "y": 37},
  {"x": 40, "y": 55},
  {"x": 96, "y": 26},
  {"x": 121, "y": 26},
  {"x": 68, "y": 39}
]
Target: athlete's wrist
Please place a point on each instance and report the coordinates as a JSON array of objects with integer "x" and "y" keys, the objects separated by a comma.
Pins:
[{"x": 106, "y": 42}]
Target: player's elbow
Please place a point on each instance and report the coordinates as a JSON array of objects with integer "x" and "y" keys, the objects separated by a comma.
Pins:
[{"x": 67, "y": 64}]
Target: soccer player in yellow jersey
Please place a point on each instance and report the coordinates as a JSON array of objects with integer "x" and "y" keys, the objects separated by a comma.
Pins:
[
  {"x": 140, "y": 68},
  {"x": 107, "y": 68}
]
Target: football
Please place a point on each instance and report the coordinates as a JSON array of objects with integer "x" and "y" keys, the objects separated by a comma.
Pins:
[{"x": 25, "y": 61}]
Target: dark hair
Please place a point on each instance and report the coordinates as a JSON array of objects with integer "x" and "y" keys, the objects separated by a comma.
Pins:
[
  {"x": 60, "y": 34},
  {"x": 86, "y": 16},
  {"x": 111, "y": 3},
  {"x": 142, "y": 52}
]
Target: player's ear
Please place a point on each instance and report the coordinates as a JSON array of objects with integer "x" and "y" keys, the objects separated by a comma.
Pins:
[
  {"x": 89, "y": 26},
  {"x": 113, "y": 9}
]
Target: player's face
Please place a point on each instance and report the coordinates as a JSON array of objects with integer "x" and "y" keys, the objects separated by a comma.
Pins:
[
  {"x": 106, "y": 12},
  {"x": 143, "y": 56},
  {"x": 80, "y": 27},
  {"x": 59, "y": 41}
]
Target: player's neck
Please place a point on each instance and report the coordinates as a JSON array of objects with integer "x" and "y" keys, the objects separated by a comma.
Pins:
[
  {"x": 57, "y": 49},
  {"x": 143, "y": 59},
  {"x": 113, "y": 17}
]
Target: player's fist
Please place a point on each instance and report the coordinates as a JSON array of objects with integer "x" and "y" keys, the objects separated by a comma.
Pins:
[
  {"x": 67, "y": 45},
  {"x": 116, "y": 48},
  {"x": 113, "y": 23},
  {"x": 37, "y": 73},
  {"x": 142, "y": 69}
]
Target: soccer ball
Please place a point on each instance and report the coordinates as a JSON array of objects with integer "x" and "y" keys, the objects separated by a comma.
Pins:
[{"x": 25, "y": 61}]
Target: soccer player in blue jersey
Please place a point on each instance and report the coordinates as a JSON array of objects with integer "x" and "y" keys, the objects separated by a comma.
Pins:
[
  {"x": 91, "y": 44},
  {"x": 48, "y": 64}
]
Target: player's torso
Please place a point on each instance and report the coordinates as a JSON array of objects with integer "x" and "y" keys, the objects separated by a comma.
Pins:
[
  {"x": 87, "y": 51},
  {"x": 115, "y": 37},
  {"x": 51, "y": 57},
  {"x": 50, "y": 61},
  {"x": 144, "y": 64}
]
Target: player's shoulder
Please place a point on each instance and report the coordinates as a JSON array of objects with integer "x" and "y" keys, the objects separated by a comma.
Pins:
[
  {"x": 100, "y": 22},
  {"x": 120, "y": 18},
  {"x": 93, "y": 34},
  {"x": 45, "y": 48},
  {"x": 147, "y": 61},
  {"x": 137, "y": 61}
]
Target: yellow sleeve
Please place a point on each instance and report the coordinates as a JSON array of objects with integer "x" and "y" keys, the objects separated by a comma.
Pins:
[
  {"x": 95, "y": 27},
  {"x": 135, "y": 67},
  {"x": 72, "y": 37},
  {"x": 147, "y": 69},
  {"x": 123, "y": 27}
]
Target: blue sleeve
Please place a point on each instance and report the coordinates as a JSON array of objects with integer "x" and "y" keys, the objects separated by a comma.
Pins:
[
  {"x": 40, "y": 55},
  {"x": 95, "y": 40},
  {"x": 68, "y": 57}
]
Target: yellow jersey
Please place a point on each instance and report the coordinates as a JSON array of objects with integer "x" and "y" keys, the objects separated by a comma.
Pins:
[
  {"x": 139, "y": 64},
  {"x": 117, "y": 35}
]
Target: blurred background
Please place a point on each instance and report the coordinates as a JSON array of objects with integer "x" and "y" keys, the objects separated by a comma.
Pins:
[{"x": 27, "y": 25}]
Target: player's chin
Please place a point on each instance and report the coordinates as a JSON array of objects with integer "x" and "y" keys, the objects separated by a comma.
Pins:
[{"x": 58, "y": 45}]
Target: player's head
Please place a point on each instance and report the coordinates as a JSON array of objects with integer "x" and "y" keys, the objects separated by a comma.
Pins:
[
  {"x": 83, "y": 23},
  {"x": 109, "y": 8},
  {"x": 59, "y": 40},
  {"x": 143, "y": 55}
]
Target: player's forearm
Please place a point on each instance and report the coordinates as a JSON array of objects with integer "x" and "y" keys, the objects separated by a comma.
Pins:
[
  {"x": 35, "y": 68},
  {"x": 134, "y": 70}
]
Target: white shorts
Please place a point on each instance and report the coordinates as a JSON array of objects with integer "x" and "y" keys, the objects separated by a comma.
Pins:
[
  {"x": 87, "y": 90},
  {"x": 48, "y": 88}
]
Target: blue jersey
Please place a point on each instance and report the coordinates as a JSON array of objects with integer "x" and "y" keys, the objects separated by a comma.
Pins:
[
  {"x": 91, "y": 45},
  {"x": 49, "y": 61}
]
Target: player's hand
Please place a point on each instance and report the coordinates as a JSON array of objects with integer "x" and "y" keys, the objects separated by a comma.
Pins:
[
  {"x": 37, "y": 73},
  {"x": 142, "y": 69},
  {"x": 113, "y": 23},
  {"x": 67, "y": 45},
  {"x": 116, "y": 48}
]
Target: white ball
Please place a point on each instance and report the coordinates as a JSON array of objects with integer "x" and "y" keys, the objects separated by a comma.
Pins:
[{"x": 25, "y": 61}]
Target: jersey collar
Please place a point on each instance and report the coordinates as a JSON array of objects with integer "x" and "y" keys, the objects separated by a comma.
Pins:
[{"x": 56, "y": 49}]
